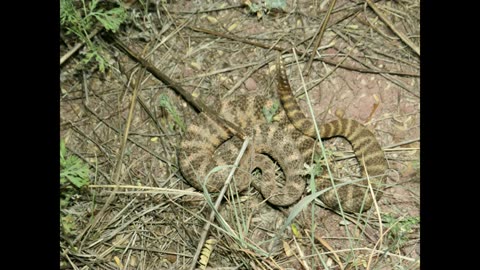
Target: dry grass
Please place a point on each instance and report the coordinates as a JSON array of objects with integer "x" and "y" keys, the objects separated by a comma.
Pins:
[{"x": 139, "y": 213}]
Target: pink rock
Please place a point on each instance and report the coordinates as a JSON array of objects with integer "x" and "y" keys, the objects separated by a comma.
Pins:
[{"x": 250, "y": 84}]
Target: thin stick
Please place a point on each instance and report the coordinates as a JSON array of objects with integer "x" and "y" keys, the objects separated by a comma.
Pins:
[
  {"x": 402, "y": 143},
  {"x": 387, "y": 148},
  {"x": 377, "y": 210},
  {"x": 203, "y": 11},
  {"x": 206, "y": 228},
  {"x": 189, "y": 192},
  {"x": 404, "y": 38},
  {"x": 154, "y": 250},
  {"x": 321, "y": 31},
  {"x": 373, "y": 250}
]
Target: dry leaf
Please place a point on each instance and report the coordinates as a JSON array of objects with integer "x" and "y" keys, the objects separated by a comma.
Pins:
[
  {"x": 344, "y": 222},
  {"x": 133, "y": 261},
  {"x": 299, "y": 23},
  {"x": 287, "y": 249},
  {"x": 118, "y": 262},
  {"x": 196, "y": 65},
  {"x": 212, "y": 19},
  {"x": 340, "y": 113},
  {"x": 171, "y": 258},
  {"x": 196, "y": 93},
  {"x": 232, "y": 27}
]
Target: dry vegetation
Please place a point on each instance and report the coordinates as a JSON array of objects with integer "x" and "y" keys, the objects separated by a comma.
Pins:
[{"x": 138, "y": 212}]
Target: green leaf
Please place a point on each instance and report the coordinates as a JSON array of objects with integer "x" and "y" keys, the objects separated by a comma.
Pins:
[
  {"x": 68, "y": 14},
  {"x": 68, "y": 223},
  {"x": 81, "y": 20},
  {"x": 64, "y": 202},
  {"x": 280, "y": 4},
  {"x": 63, "y": 180},
  {"x": 75, "y": 171},
  {"x": 255, "y": 7},
  {"x": 92, "y": 5},
  {"x": 77, "y": 181},
  {"x": 62, "y": 148},
  {"x": 111, "y": 19}
]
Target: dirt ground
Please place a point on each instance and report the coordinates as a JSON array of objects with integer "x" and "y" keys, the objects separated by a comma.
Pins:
[{"x": 139, "y": 213}]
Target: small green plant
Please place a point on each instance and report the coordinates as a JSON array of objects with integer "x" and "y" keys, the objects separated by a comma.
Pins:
[
  {"x": 81, "y": 21},
  {"x": 68, "y": 224},
  {"x": 269, "y": 113},
  {"x": 317, "y": 168},
  {"x": 400, "y": 228},
  {"x": 416, "y": 164},
  {"x": 74, "y": 174},
  {"x": 164, "y": 102},
  {"x": 265, "y": 6}
]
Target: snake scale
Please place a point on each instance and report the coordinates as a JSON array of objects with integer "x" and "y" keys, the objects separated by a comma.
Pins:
[{"x": 289, "y": 140}]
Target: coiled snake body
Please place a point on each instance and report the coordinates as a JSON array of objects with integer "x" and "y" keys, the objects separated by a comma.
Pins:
[{"x": 289, "y": 140}]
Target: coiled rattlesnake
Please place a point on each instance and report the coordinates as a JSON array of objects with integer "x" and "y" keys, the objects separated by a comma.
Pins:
[{"x": 289, "y": 140}]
